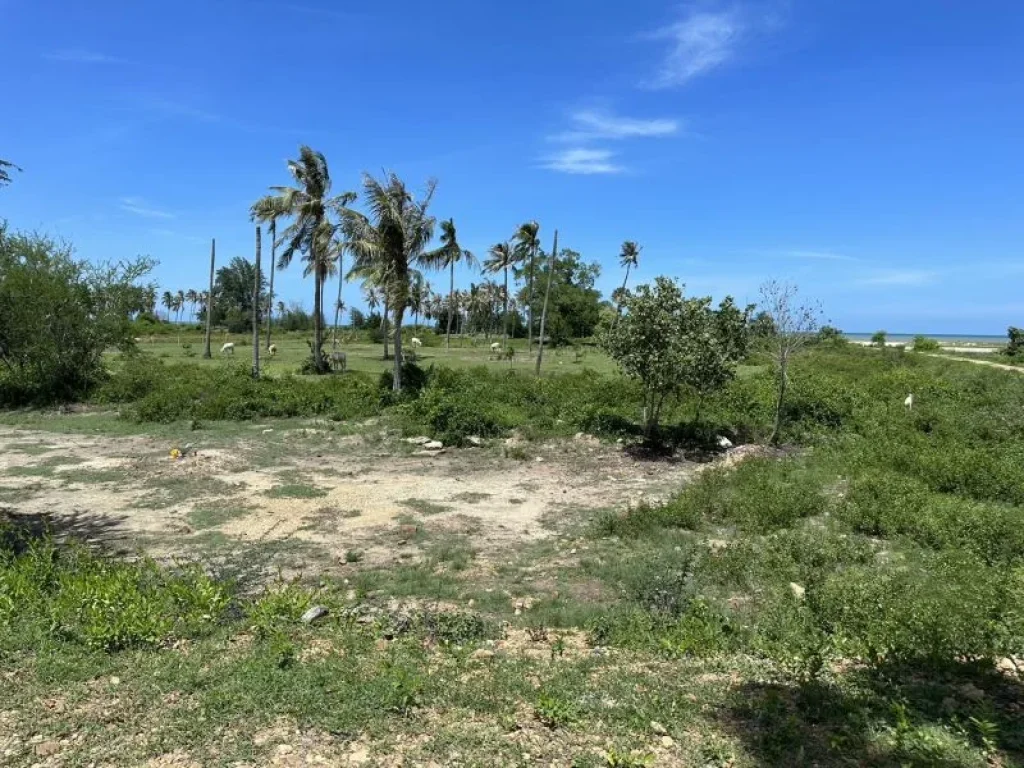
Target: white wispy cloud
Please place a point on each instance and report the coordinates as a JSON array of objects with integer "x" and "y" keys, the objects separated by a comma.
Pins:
[
  {"x": 583, "y": 160},
  {"x": 81, "y": 56},
  {"x": 589, "y": 124},
  {"x": 140, "y": 207},
  {"x": 819, "y": 255},
  {"x": 899, "y": 277},
  {"x": 698, "y": 43}
]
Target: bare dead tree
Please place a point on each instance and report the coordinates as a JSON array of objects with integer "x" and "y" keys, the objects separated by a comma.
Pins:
[{"x": 793, "y": 327}]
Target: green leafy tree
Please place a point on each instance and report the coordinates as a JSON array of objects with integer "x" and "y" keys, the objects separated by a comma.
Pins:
[
  {"x": 574, "y": 303},
  {"x": 233, "y": 295},
  {"x": 59, "y": 315},
  {"x": 667, "y": 341},
  {"x": 878, "y": 338},
  {"x": 309, "y": 205},
  {"x": 1015, "y": 345},
  {"x": 392, "y": 239}
]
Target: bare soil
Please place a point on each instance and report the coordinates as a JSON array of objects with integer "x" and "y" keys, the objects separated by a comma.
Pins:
[{"x": 311, "y": 494}]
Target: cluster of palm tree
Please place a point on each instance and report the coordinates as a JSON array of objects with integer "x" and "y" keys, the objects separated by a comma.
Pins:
[
  {"x": 388, "y": 245},
  {"x": 176, "y": 303}
]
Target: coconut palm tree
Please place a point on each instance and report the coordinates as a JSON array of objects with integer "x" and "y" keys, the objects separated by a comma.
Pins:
[
  {"x": 310, "y": 205},
  {"x": 446, "y": 257},
  {"x": 374, "y": 297},
  {"x": 501, "y": 257},
  {"x": 167, "y": 300},
  {"x": 527, "y": 242},
  {"x": 628, "y": 258},
  {"x": 419, "y": 291},
  {"x": 192, "y": 296},
  {"x": 392, "y": 240},
  {"x": 6, "y": 166}
]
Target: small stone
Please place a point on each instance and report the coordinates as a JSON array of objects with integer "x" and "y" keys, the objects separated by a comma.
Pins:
[
  {"x": 572, "y": 551},
  {"x": 350, "y": 595},
  {"x": 797, "y": 590},
  {"x": 421, "y": 440},
  {"x": 315, "y": 613},
  {"x": 482, "y": 654},
  {"x": 115, "y": 680},
  {"x": 285, "y": 749},
  {"x": 474, "y": 440},
  {"x": 539, "y": 458},
  {"x": 658, "y": 727},
  {"x": 724, "y": 442},
  {"x": 1006, "y": 665},
  {"x": 433, "y": 445},
  {"x": 667, "y": 742},
  {"x": 267, "y": 431}
]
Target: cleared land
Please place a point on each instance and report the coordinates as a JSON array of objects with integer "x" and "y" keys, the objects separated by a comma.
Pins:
[{"x": 851, "y": 599}]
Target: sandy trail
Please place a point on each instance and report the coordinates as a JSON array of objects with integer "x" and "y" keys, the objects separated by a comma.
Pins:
[{"x": 991, "y": 364}]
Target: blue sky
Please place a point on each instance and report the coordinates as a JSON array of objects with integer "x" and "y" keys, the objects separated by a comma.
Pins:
[{"x": 871, "y": 151}]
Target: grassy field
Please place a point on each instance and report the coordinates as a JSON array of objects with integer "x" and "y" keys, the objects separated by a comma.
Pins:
[
  {"x": 292, "y": 349},
  {"x": 854, "y": 598}
]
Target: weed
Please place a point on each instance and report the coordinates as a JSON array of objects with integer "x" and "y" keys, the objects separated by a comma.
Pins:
[{"x": 296, "y": 491}]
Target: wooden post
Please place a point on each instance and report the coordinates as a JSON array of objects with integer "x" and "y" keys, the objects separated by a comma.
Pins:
[{"x": 256, "y": 308}]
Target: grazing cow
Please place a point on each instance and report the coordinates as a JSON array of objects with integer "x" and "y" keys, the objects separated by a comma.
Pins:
[
  {"x": 339, "y": 361},
  {"x": 416, "y": 342},
  {"x": 272, "y": 350},
  {"x": 229, "y": 346},
  {"x": 909, "y": 402}
]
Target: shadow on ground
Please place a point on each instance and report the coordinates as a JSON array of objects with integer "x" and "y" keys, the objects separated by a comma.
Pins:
[
  {"x": 890, "y": 715},
  {"x": 105, "y": 532}
]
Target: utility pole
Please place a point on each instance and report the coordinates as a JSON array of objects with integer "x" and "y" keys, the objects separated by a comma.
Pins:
[
  {"x": 547, "y": 294},
  {"x": 209, "y": 301},
  {"x": 256, "y": 308}
]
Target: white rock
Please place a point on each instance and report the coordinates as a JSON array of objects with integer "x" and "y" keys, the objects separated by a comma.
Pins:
[
  {"x": 474, "y": 440},
  {"x": 315, "y": 613},
  {"x": 433, "y": 445},
  {"x": 724, "y": 442},
  {"x": 797, "y": 590},
  {"x": 421, "y": 440}
]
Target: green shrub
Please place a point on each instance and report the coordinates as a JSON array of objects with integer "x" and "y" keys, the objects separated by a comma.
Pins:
[
  {"x": 924, "y": 344},
  {"x": 759, "y": 495},
  {"x": 74, "y": 594},
  {"x": 948, "y": 607}
]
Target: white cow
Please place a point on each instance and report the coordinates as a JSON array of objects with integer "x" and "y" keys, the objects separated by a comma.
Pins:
[
  {"x": 416, "y": 342},
  {"x": 229, "y": 346},
  {"x": 339, "y": 361},
  {"x": 909, "y": 402},
  {"x": 272, "y": 350},
  {"x": 496, "y": 346}
]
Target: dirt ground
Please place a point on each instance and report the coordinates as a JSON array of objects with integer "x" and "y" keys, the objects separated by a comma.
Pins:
[{"x": 305, "y": 497}]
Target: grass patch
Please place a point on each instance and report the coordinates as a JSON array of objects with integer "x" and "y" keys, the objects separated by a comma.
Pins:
[
  {"x": 205, "y": 517},
  {"x": 424, "y": 507},
  {"x": 296, "y": 491},
  {"x": 472, "y": 497}
]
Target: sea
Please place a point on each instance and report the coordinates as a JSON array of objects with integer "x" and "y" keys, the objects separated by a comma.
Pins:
[{"x": 942, "y": 338}]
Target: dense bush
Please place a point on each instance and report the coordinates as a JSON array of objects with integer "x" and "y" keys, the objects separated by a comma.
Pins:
[
  {"x": 58, "y": 316},
  {"x": 153, "y": 392}
]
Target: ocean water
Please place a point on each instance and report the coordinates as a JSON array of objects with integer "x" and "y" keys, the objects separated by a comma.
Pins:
[{"x": 943, "y": 338}]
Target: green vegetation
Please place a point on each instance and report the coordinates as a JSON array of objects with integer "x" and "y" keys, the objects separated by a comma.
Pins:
[
  {"x": 58, "y": 316},
  {"x": 924, "y": 344}
]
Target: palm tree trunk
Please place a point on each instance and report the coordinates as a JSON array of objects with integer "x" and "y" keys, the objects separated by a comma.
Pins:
[
  {"x": 544, "y": 311},
  {"x": 256, "y": 307},
  {"x": 318, "y": 339},
  {"x": 209, "y": 302},
  {"x": 397, "y": 378},
  {"x": 384, "y": 328},
  {"x": 505, "y": 342},
  {"x": 337, "y": 304},
  {"x": 273, "y": 268},
  {"x": 451, "y": 307},
  {"x": 529, "y": 306},
  {"x": 618, "y": 307}
]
